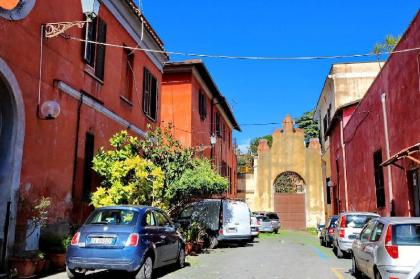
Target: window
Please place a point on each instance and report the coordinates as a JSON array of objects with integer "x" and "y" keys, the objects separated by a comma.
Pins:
[
  {"x": 377, "y": 232},
  {"x": 367, "y": 231},
  {"x": 94, "y": 54},
  {"x": 224, "y": 132},
  {"x": 128, "y": 74},
  {"x": 379, "y": 178},
  {"x": 162, "y": 220},
  {"x": 218, "y": 126},
  {"x": 150, "y": 88},
  {"x": 406, "y": 234},
  {"x": 328, "y": 190},
  {"x": 87, "y": 169},
  {"x": 149, "y": 219},
  {"x": 113, "y": 216},
  {"x": 202, "y": 106}
]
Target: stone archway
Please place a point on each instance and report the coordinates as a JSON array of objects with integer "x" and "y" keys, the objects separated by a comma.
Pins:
[
  {"x": 302, "y": 164},
  {"x": 289, "y": 200},
  {"x": 12, "y": 127}
]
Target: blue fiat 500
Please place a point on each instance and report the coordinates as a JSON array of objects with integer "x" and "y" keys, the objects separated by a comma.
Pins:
[{"x": 135, "y": 239}]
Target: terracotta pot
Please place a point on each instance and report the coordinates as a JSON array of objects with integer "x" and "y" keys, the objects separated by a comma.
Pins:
[
  {"x": 25, "y": 267},
  {"x": 58, "y": 261},
  {"x": 197, "y": 247},
  {"x": 40, "y": 266},
  {"x": 188, "y": 248}
]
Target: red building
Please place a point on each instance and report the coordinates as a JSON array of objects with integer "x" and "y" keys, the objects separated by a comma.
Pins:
[
  {"x": 192, "y": 103},
  {"x": 376, "y": 154},
  {"x": 99, "y": 90}
]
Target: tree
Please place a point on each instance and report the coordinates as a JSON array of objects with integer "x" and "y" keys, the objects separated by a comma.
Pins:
[
  {"x": 163, "y": 150},
  {"x": 126, "y": 177},
  {"x": 200, "y": 181},
  {"x": 387, "y": 45},
  {"x": 253, "y": 148},
  {"x": 309, "y": 125}
]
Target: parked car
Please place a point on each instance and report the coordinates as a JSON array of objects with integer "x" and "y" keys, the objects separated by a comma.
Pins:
[
  {"x": 225, "y": 220},
  {"x": 274, "y": 219},
  {"x": 415, "y": 273},
  {"x": 327, "y": 233},
  {"x": 348, "y": 226},
  {"x": 135, "y": 239},
  {"x": 265, "y": 224},
  {"x": 255, "y": 227},
  {"x": 387, "y": 247}
]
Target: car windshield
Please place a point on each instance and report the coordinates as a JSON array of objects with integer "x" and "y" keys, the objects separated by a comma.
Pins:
[
  {"x": 407, "y": 234},
  {"x": 113, "y": 217},
  {"x": 272, "y": 216},
  {"x": 358, "y": 221},
  {"x": 263, "y": 218}
]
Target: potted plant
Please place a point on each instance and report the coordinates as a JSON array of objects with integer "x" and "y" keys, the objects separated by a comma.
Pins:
[
  {"x": 40, "y": 265},
  {"x": 56, "y": 245},
  {"x": 26, "y": 263}
]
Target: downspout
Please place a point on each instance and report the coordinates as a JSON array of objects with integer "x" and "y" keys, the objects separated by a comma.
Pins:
[
  {"x": 390, "y": 194},
  {"x": 211, "y": 128},
  {"x": 343, "y": 148},
  {"x": 76, "y": 149}
]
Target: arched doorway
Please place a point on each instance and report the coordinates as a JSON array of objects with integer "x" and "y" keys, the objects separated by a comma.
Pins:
[
  {"x": 11, "y": 147},
  {"x": 289, "y": 200}
]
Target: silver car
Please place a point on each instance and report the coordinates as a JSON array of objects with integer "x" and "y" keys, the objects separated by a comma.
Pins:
[
  {"x": 265, "y": 224},
  {"x": 387, "y": 247},
  {"x": 349, "y": 224}
]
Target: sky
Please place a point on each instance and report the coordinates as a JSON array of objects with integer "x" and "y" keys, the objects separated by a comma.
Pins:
[{"x": 266, "y": 91}]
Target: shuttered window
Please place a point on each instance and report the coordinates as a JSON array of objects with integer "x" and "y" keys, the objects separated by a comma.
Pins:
[
  {"x": 94, "y": 54},
  {"x": 218, "y": 126},
  {"x": 202, "y": 106},
  {"x": 128, "y": 74},
  {"x": 150, "y": 94}
]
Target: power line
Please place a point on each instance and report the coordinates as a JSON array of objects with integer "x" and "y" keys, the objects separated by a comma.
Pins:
[{"x": 263, "y": 58}]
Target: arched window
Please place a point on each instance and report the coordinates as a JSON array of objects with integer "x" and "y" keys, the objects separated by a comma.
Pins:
[{"x": 289, "y": 182}]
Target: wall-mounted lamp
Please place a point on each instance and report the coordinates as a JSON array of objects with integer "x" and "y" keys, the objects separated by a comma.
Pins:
[
  {"x": 90, "y": 9},
  {"x": 49, "y": 110},
  {"x": 213, "y": 139},
  {"x": 330, "y": 184}
]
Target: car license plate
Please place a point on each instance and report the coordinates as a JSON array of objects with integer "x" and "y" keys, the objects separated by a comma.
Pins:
[
  {"x": 102, "y": 240},
  {"x": 232, "y": 230}
]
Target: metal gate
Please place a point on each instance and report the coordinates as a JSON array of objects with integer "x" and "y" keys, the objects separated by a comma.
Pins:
[{"x": 291, "y": 210}]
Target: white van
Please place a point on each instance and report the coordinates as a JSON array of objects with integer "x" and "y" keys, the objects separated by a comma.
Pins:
[{"x": 225, "y": 220}]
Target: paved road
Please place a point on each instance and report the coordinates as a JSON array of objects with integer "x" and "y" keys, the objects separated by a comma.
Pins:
[{"x": 286, "y": 255}]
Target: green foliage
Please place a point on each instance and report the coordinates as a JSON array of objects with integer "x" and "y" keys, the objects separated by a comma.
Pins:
[
  {"x": 164, "y": 151},
  {"x": 195, "y": 232},
  {"x": 387, "y": 45},
  {"x": 54, "y": 243},
  {"x": 309, "y": 125},
  {"x": 200, "y": 181},
  {"x": 288, "y": 182},
  {"x": 253, "y": 148},
  {"x": 126, "y": 177},
  {"x": 40, "y": 212}
]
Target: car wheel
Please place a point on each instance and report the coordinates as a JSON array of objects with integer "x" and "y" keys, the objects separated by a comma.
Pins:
[
  {"x": 321, "y": 241},
  {"x": 340, "y": 253},
  {"x": 146, "y": 270},
  {"x": 73, "y": 274},
  {"x": 213, "y": 242},
  {"x": 276, "y": 231},
  {"x": 377, "y": 274},
  {"x": 354, "y": 269},
  {"x": 181, "y": 258}
]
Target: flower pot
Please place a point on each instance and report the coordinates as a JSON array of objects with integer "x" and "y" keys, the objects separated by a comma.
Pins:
[
  {"x": 25, "y": 267},
  {"x": 188, "y": 248},
  {"x": 40, "y": 266},
  {"x": 58, "y": 261},
  {"x": 197, "y": 247}
]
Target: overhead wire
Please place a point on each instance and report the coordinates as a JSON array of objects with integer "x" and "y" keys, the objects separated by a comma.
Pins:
[{"x": 263, "y": 58}]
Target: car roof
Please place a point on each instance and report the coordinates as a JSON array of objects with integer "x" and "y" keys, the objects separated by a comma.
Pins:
[
  {"x": 131, "y": 207},
  {"x": 360, "y": 213},
  {"x": 399, "y": 220}
]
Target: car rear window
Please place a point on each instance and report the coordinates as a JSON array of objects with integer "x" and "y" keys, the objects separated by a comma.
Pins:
[
  {"x": 357, "y": 221},
  {"x": 272, "y": 216},
  {"x": 406, "y": 234},
  {"x": 113, "y": 217},
  {"x": 263, "y": 218}
]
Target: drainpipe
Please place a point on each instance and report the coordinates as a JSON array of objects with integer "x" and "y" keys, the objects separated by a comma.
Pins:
[
  {"x": 343, "y": 148},
  {"x": 391, "y": 197},
  {"x": 76, "y": 149}
]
